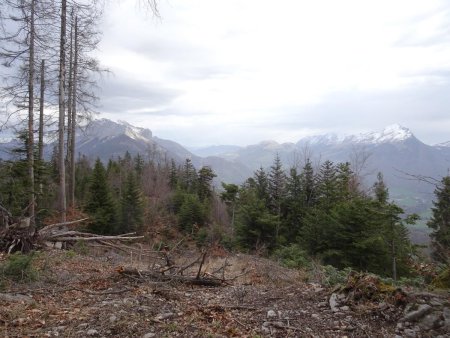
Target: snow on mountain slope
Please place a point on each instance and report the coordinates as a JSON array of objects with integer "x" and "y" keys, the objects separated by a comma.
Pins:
[
  {"x": 104, "y": 129},
  {"x": 391, "y": 134},
  {"x": 443, "y": 145}
]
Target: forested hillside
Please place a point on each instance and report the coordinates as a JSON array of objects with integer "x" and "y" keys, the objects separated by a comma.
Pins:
[{"x": 322, "y": 214}]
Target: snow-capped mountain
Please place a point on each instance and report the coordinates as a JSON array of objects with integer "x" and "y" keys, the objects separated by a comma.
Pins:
[
  {"x": 391, "y": 134},
  {"x": 394, "y": 151},
  {"x": 443, "y": 145},
  {"x": 107, "y": 139}
]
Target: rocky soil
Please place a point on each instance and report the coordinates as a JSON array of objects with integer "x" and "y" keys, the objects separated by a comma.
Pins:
[{"x": 85, "y": 296}]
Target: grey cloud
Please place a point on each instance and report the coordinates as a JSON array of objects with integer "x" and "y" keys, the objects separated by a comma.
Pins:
[
  {"x": 188, "y": 62},
  {"x": 119, "y": 95},
  {"x": 168, "y": 50},
  {"x": 423, "y": 109},
  {"x": 170, "y": 112},
  {"x": 201, "y": 72}
]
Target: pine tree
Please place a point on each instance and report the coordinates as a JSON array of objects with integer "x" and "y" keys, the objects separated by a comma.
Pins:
[
  {"x": 100, "y": 205},
  {"x": 440, "y": 221}
]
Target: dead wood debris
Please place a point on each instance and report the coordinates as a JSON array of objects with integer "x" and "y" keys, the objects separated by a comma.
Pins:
[
  {"x": 174, "y": 274},
  {"x": 21, "y": 237}
]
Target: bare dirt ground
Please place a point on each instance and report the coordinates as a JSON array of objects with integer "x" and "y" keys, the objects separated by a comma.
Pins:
[{"x": 83, "y": 295}]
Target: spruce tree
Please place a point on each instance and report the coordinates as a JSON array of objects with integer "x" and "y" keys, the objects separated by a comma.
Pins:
[
  {"x": 261, "y": 182},
  {"x": 294, "y": 204},
  {"x": 308, "y": 181},
  {"x": 191, "y": 212},
  {"x": 277, "y": 191},
  {"x": 230, "y": 197},
  {"x": 327, "y": 184},
  {"x": 440, "y": 221},
  {"x": 255, "y": 225},
  {"x": 132, "y": 207},
  {"x": 100, "y": 205},
  {"x": 189, "y": 177},
  {"x": 204, "y": 182},
  {"x": 173, "y": 175},
  {"x": 380, "y": 190}
]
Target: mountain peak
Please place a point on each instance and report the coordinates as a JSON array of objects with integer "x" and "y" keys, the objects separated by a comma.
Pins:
[
  {"x": 391, "y": 134},
  {"x": 395, "y": 132},
  {"x": 106, "y": 129}
]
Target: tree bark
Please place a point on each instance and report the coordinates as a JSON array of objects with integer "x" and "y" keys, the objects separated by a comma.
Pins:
[
  {"x": 30, "y": 145},
  {"x": 73, "y": 117},
  {"x": 70, "y": 93},
  {"x": 41, "y": 114},
  {"x": 61, "y": 104}
]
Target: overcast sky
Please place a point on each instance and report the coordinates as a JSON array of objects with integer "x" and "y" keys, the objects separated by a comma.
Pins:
[{"x": 239, "y": 72}]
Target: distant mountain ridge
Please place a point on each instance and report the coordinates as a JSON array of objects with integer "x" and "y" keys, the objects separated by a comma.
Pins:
[
  {"x": 105, "y": 139},
  {"x": 394, "y": 151}
]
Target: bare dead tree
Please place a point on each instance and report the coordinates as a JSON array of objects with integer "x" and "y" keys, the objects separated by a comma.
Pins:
[
  {"x": 359, "y": 161},
  {"x": 18, "y": 52},
  {"x": 62, "y": 113},
  {"x": 41, "y": 113},
  {"x": 84, "y": 70}
]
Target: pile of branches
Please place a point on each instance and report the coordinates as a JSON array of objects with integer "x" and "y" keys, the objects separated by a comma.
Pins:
[
  {"x": 15, "y": 238},
  {"x": 22, "y": 237},
  {"x": 58, "y": 235},
  {"x": 176, "y": 274}
]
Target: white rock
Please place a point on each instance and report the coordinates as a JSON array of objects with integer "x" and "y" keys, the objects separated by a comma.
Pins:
[
  {"x": 271, "y": 314},
  {"x": 334, "y": 302},
  {"x": 163, "y": 316},
  {"x": 92, "y": 332},
  {"x": 149, "y": 335}
]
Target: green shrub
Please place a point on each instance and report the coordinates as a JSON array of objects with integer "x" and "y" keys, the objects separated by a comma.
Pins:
[
  {"x": 292, "y": 256},
  {"x": 80, "y": 247},
  {"x": 19, "y": 267},
  {"x": 334, "y": 276},
  {"x": 201, "y": 237},
  {"x": 442, "y": 281}
]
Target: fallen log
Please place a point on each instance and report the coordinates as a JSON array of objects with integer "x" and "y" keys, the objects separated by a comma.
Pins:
[
  {"x": 154, "y": 276},
  {"x": 59, "y": 225},
  {"x": 92, "y": 238}
]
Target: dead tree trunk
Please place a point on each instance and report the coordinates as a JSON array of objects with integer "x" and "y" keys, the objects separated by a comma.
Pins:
[
  {"x": 73, "y": 117},
  {"x": 61, "y": 104},
  {"x": 41, "y": 114},
  {"x": 30, "y": 145}
]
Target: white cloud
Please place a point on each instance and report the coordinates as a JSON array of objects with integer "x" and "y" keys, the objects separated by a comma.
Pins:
[{"x": 236, "y": 65}]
